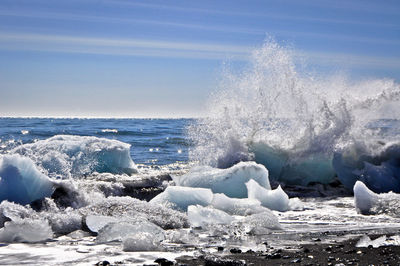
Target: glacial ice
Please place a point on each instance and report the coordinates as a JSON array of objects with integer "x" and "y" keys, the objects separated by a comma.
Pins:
[
  {"x": 26, "y": 230},
  {"x": 119, "y": 231},
  {"x": 368, "y": 202},
  {"x": 21, "y": 181},
  {"x": 260, "y": 223},
  {"x": 128, "y": 207},
  {"x": 235, "y": 206},
  {"x": 379, "y": 170},
  {"x": 97, "y": 222},
  {"x": 180, "y": 198},
  {"x": 140, "y": 241},
  {"x": 229, "y": 181},
  {"x": 202, "y": 216},
  {"x": 275, "y": 199},
  {"x": 65, "y": 156}
]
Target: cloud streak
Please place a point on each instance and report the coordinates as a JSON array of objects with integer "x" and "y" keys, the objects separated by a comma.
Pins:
[{"x": 157, "y": 48}]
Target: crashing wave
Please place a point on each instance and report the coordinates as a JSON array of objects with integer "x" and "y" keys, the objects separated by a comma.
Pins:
[
  {"x": 279, "y": 115},
  {"x": 66, "y": 156}
]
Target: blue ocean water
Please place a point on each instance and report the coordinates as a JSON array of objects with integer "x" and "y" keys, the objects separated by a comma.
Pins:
[{"x": 153, "y": 141}]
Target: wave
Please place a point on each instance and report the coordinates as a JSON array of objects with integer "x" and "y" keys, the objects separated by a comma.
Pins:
[{"x": 276, "y": 113}]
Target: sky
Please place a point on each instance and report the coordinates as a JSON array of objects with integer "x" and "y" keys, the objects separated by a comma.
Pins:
[{"x": 150, "y": 58}]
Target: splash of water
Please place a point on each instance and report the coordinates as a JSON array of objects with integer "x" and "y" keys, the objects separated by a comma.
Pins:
[{"x": 276, "y": 112}]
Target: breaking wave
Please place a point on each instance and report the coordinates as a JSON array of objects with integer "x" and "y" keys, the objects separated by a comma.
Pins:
[{"x": 276, "y": 113}]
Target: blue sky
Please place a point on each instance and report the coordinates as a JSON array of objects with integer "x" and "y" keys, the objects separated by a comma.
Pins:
[{"x": 148, "y": 58}]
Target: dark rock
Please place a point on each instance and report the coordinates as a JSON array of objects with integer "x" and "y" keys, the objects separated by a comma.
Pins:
[
  {"x": 235, "y": 251},
  {"x": 306, "y": 250},
  {"x": 163, "y": 262},
  {"x": 220, "y": 249},
  {"x": 274, "y": 256},
  {"x": 103, "y": 263}
]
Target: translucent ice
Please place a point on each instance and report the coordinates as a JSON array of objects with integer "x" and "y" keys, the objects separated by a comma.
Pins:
[
  {"x": 120, "y": 230},
  {"x": 235, "y": 206},
  {"x": 128, "y": 207},
  {"x": 64, "y": 156},
  {"x": 140, "y": 241},
  {"x": 26, "y": 230},
  {"x": 21, "y": 181},
  {"x": 275, "y": 199},
  {"x": 203, "y": 216},
  {"x": 97, "y": 222},
  {"x": 229, "y": 181},
  {"x": 180, "y": 198},
  {"x": 368, "y": 202},
  {"x": 261, "y": 223},
  {"x": 365, "y": 241}
]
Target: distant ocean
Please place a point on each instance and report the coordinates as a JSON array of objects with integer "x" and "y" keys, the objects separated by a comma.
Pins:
[{"x": 153, "y": 141}]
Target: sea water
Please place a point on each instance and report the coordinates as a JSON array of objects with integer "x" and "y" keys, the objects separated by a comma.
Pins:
[{"x": 111, "y": 189}]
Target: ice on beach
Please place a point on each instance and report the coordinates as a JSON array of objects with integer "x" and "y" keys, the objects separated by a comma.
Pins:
[
  {"x": 97, "y": 222},
  {"x": 128, "y": 207},
  {"x": 368, "y": 202},
  {"x": 229, "y": 181},
  {"x": 26, "y": 230},
  {"x": 235, "y": 206},
  {"x": 180, "y": 198},
  {"x": 140, "y": 241},
  {"x": 365, "y": 241},
  {"x": 65, "y": 156},
  {"x": 260, "y": 223},
  {"x": 118, "y": 231},
  {"x": 21, "y": 181},
  {"x": 275, "y": 199},
  {"x": 202, "y": 216}
]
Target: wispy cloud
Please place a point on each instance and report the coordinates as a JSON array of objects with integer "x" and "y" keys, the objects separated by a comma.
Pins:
[{"x": 157, "y": 48}]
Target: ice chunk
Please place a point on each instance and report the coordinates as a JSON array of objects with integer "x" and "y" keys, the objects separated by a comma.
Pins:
[
  {"x": 379, "y": 169},
  {"x": 180, "y": 198},
  {"x": 97, "y": 222},
  {"x": 203, "y": 216},
  {"x": 368, "y": 202},
  {"x": 229, "y": 181},
  {"x": 260, "y": 223},
  {"x": 65, "y": 156},
  {"x": 141, "y": 241},
  {"x": 64, "y": 222},
  {"x": 21, "y": 181},
  {"x": 235, "y": 206},
  {"x": 26, "y": 230},
  {"x": 275, "y": 199},
  {"x": 128, "y": 207},
  {"x": 364, "y": 199},
  {"x": 299, "y": 171},
  {"x": 120, "y": 230},
  {"x": 365, "y": 241}
]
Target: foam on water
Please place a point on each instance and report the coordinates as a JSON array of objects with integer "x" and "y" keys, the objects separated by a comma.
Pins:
[{"x": 276, "y": 113}]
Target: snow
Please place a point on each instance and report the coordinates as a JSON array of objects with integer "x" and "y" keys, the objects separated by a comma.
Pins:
[
  {"x": 180, "y": 198},
  {"x": 66, "y": 156},
  {"x": 26, "y": 230},
  {"x": 229, "y": 181},
  {"x": 275, "y": 199},
  {"x": 21, "y": 181},
  {"x": 202, "y": 216}
]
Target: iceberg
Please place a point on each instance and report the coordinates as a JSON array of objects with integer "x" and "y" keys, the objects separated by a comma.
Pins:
[
  {"x": 26, "y": 230},
  {"x": 229, "y": 181},
  {"x": 203, "y": 216},
  {"x": 180, "y": 198},
  {"x": 21, "y": 181},
  {"x": 275, "y": 199},
  {"x": 65, "y": 156}
]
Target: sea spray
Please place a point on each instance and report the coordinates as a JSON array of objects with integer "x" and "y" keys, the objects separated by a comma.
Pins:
[{"x": 276, "y": 113}]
